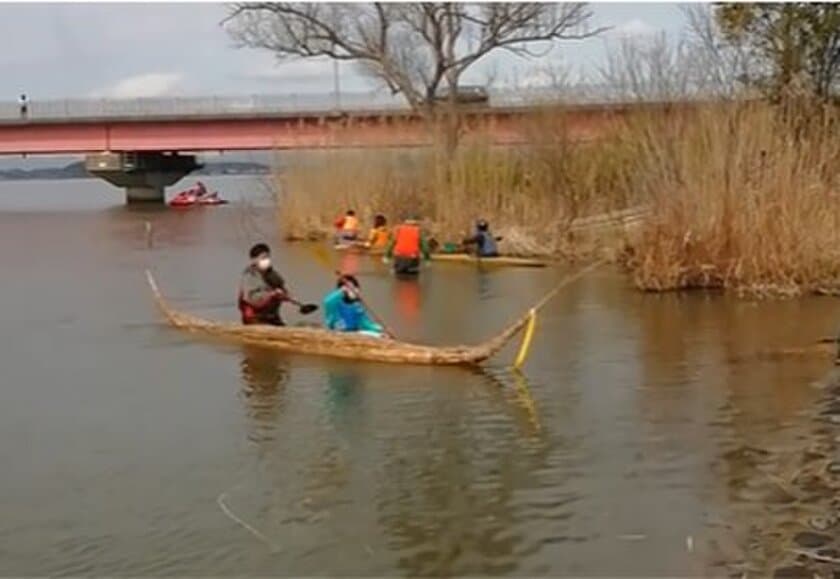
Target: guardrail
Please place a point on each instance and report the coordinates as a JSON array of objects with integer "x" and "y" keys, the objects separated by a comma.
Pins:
[{"x": 267, "y": 104}]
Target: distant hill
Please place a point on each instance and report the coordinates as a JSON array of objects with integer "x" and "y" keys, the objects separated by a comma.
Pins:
[{"x": 76, "y": 170}]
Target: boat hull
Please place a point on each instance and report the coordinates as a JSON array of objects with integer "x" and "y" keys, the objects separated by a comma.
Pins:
[
  {"x": 321, "y": 342},
  {"x": 465, "y": 258}
]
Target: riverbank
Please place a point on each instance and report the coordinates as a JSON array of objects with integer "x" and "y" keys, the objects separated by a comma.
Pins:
[{"x": 744, "y": 199}]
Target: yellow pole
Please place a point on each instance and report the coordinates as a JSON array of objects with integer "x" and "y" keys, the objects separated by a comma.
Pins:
[{"x": 526, "y": 340}]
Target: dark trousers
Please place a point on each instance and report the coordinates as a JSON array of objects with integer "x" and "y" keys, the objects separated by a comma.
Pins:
[{"x": 406, "y": 265}]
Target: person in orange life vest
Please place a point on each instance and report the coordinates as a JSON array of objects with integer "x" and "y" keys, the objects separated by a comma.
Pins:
[
  {"x": 407, "y": 244},
  {"x": 347, "y": 227},
  {"x": 261, "y": 290},
  {"x": 378, "y": 236}
]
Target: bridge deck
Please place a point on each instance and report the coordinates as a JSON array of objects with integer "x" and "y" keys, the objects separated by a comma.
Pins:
[
  {"x": 69, "y": 127},
  {"x": 156, "y": 109}
]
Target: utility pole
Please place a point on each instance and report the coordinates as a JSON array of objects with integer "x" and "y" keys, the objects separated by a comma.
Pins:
[{"x": 336, "y": 86}]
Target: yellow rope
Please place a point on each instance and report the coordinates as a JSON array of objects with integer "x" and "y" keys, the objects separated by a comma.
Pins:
[{"x": 526, "y": 340}]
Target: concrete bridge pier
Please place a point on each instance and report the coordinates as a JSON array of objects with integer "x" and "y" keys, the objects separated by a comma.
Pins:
[{"x": 144, "y": 175}]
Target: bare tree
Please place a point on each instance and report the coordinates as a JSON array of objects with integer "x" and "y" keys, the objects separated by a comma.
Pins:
[
  {"x": 722, "y": 66},
  {"x": 797, "y": 44},
  {"x": 415, "y": 49},
  {"x": 648, "y": 70}
]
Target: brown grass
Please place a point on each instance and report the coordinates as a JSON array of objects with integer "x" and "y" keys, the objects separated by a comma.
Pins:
[
  {"x": 742, "y": 196},
  {"x": 530, "y": 195},
  {"x": 745, "y": 197}
]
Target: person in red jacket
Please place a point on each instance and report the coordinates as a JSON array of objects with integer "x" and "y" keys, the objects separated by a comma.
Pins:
[{"x": 408, "y": 244}]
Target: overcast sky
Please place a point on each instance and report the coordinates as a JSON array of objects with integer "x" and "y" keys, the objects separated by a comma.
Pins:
[{"x": 53, "y": 51}]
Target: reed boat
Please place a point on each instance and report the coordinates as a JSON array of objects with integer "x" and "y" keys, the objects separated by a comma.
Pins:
[
  {"x": 499, "y": 261},
  {"x": 348, "y": 345}
]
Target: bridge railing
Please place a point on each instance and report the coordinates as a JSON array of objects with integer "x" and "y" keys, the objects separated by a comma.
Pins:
[
  {"x": 197, "y": 106},
  {"x": 272, "y": 104}
]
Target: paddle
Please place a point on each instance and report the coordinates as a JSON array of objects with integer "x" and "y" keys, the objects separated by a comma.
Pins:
[
  {"x": 304, "y": 309},
  {"x": 275, "y": 281}
]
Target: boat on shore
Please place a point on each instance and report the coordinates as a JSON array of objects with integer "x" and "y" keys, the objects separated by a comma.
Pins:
[
  {"x": 467, "y": 258},
  {"x": 349, "y": 345}
]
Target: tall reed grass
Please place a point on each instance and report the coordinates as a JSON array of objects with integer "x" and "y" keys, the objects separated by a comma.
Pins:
[
  {"x": 531, "y": 195},
  {"x": 745, "y": 197}
]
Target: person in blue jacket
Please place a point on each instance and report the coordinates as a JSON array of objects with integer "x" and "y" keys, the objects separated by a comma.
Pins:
[
  {"x": 484, "y": 240},
  {"x": 344, "y": 311}
]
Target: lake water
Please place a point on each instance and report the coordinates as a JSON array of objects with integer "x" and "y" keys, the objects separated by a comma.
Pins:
[{"x": 647, "y": 436}]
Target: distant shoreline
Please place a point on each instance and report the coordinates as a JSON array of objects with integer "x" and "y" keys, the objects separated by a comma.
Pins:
[{"x": 77, "y": 170}]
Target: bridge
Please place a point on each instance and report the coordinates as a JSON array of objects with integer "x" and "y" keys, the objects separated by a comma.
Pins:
[{"x": 145, "y": 145}]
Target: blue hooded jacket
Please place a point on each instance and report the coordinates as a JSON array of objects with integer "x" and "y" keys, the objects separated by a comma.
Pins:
[{"x": 346, "y": 316}]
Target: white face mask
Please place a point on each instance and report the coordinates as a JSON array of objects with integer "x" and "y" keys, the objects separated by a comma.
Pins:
[{"x": 264, "y": 263}]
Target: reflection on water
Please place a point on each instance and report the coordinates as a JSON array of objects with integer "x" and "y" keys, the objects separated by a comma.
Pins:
[
  {"x": 645, "y": 437},
  {"x": 264, "y": 376},
  {"x": 408, "y": 296},
  {"x": 349, "y": 263},
  {"x": 459, "y": 502},
  {"x": 525, "y": 400},
  {"x": 344, "y": 391}
]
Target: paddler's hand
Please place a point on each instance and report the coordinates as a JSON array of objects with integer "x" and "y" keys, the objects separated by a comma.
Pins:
[{"x": 280, "y": 294}]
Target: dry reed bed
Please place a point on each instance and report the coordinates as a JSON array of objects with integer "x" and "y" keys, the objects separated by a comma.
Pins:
[
  {"x": 740, "y": 196},
  {"x": 744, "y": 198},
  {"x": 531, "y": 195}
]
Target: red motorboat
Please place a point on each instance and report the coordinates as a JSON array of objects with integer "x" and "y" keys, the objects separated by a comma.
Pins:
[{"x": 196, "y": 195}]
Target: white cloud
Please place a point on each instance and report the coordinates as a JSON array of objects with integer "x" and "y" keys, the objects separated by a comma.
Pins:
[
  {"x": 635, "y": 28},
  {"x": 154, "y": 84}
]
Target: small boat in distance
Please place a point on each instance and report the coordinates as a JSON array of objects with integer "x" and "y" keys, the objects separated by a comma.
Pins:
[{"x": 197, "y": 195}]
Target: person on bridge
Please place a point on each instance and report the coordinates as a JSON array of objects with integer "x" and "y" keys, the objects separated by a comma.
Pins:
[
  {"x": 379, "y": 235},
  {"x": 262, "y": 290},
  {"x": 23, "y": 101},
  {"x": 407, "y": 244},
  {"x": 484, "y": 241},
  {"x": 344, "y": 311},
  {"x": 347, "y": 227}
]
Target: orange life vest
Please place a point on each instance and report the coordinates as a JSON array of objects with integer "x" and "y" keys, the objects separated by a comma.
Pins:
[
  {"x": 407, "y": 241},
  {"x": 378, "y": 237}
]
